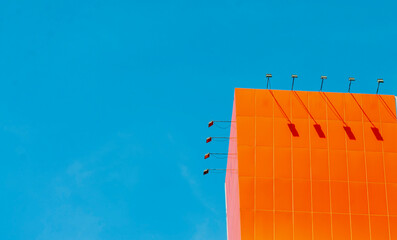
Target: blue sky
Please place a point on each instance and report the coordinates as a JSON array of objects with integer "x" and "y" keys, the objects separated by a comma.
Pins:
[{"x": 104, "y": 104}]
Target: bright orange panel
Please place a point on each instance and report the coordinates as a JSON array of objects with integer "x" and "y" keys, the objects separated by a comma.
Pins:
[
  {"x": 360, "y": 227},
  {"x": 263, "y": 225},
  {"x": 393, "y": 227},
  {"x": 352, "y": 107},
  {"x": 322, "y": 226},
  {"x": 341, "y": 226},
  {"x": 282, "y": 104},
  {"x": 336, "y": 135},
  {"x": 264, "y": 131},
  {"x": 340, "y": 197},
  {"x": 316, "y": 140},
  {"x": 299, "y": 105},
  {"x": 263, "y": 103},
  {"x": 245, "y": 131},
  {"x": 377, "y": 198},
  {"x": 264, "y": 162},
  {"x": 379, "y": 227},
  {"x": 282, "y": 134},
  {"x": 389, "y": 133},
  {"x": 371, "y": 107},
  {"x": 264, "y": 194},
  {"x": 358, "y": 198},
  {"x": 302, "y": 226},
  {"x": 302, "y": 126},
  {"x": 356, "y": 163},
  {"x": 283, "y": 225},
  {"x": 247, "y": 224},
  {"x": 301, "y": 160},
  {"x": 302, "y": 195},
  {"x": 246, "y": 166},
  {"x": 335, "y": 105},
  {"x": 282, "y": 163},
  {"x": 356, "y": 144},
  {"x": 338, "y": 165},
  {"x": 246, "y": 193},
  {"x": 320, "y": 164},
  {"x": 317, "y": 106},
  {"x": 373, "y": 142},
  {"x": 283, "y": 191},
  {"x": 392, "y": 198},
  {"x": 245, "y": 102},
  {"x": 321, "y": 199},
  {"x": 391, "y": 167},
  {"x": 387, "y": 108},
  {"x": 375, "y": 168}
]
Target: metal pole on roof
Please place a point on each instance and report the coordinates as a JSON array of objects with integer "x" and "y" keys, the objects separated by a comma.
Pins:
[
  {"x": 380, "y": 80},
  {"x": 351, "y": 79}
]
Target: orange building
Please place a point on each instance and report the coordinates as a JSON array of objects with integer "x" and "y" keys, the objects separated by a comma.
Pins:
[{"x": 312, "y": 165}]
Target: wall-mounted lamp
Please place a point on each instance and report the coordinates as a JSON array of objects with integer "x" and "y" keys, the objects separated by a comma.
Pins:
[
  {"x": 211, "y": 123},
  {"x": 209, "y": 139},
  {"x": 206, "y": 171},
  {"x": 207, "y": 155}
]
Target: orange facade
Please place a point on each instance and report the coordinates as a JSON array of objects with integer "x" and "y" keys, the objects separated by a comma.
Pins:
[{"x": 312, "y": 165}]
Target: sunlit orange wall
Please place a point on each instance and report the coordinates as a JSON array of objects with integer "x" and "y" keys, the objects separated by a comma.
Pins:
[{"x": 314, "y": 165}]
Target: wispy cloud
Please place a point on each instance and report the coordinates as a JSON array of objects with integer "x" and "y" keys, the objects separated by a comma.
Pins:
[
  {"x": 205, "y": 230},
  {"x": 195, "y": 188},
  {"x": 201, "y": 231},
  {"x": 78, "y": 173},
  {"x": 68, "y": 222}
]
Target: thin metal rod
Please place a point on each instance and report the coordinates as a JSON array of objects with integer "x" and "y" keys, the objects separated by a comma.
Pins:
[
  {"x": 293, "y": 80},
  {"x": 267, "y": 85},
  {"x": 321, "y": 88},
  {"x": 377, "y": 90},
  {"x": 350, "y": 83}
]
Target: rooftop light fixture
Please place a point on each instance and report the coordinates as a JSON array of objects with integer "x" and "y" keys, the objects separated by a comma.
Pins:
[
  {"x": 380, "y": 80},
  {"x": 293, "y": 80},
  {"x": 268, "y": 76},
  {"x": 351, "y": 79},
  {"x": 322, "y": 82}
]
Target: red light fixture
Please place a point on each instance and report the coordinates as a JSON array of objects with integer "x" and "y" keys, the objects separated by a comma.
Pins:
[
  {"x": 206, "y": 155},
  {"x": 210, "y": 123},
  {"x": 209, "y": 139},
  {"x": 206, "y": 171}
]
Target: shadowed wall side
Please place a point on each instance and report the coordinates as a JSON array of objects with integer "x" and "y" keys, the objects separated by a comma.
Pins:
[{"x": 232, "y": 185}]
